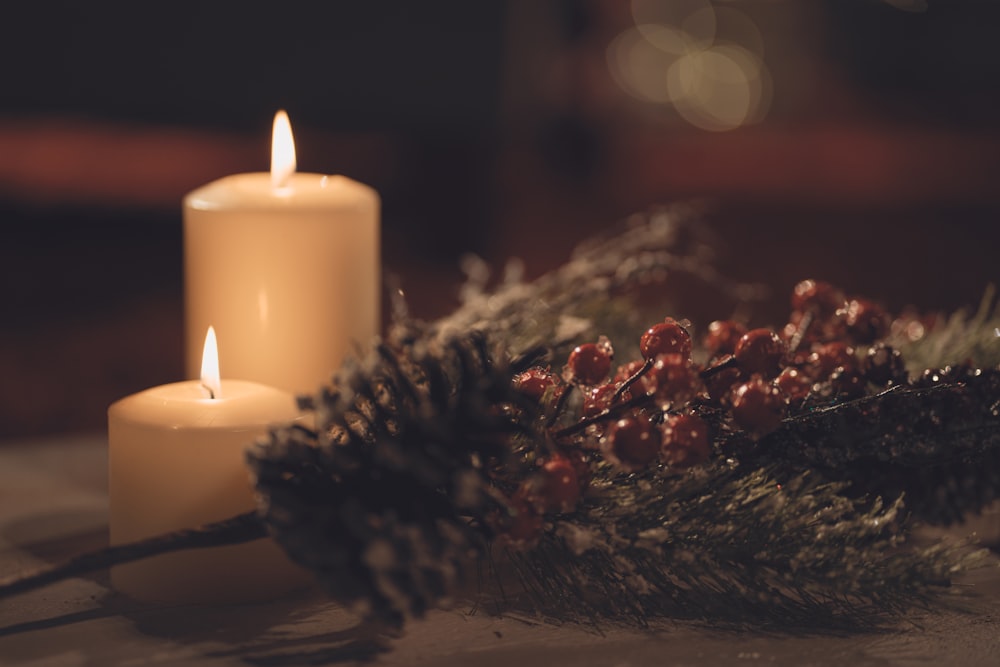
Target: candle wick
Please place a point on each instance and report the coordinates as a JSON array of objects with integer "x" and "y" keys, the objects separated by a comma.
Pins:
[{"x": 211, "y": 392}]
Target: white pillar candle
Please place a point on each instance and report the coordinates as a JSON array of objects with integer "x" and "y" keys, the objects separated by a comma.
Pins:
[
  {"x": 286, "y": 267},
  {"x": 176, "y": 460}
]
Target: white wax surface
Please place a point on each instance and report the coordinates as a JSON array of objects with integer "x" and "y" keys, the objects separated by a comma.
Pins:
[
  {"x": 288, "y": 278},
  {"x": 176, "y": 461}
]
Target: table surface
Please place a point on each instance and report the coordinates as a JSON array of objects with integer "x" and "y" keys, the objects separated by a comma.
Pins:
[{"x": 53, "y": 504}]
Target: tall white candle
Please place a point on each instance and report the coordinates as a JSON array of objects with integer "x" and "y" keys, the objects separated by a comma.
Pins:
[
  {"x": 176, "y": 460},
  {"x": 286, "y": 266}
]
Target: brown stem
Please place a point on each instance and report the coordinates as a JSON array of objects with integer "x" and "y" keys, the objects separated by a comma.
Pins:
[
  {"x": 609, "y": 413},
  {"x": 632, "y": 380},
  {"x": 558, "y": 406},
  {"x": 728, "y": 361},
  {"x": 234, "y": 530}
]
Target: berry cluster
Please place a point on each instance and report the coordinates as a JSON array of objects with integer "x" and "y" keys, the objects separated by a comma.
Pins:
[{"x": 664, "y": 409}]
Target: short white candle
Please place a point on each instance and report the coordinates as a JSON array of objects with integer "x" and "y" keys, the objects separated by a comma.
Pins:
[
  {"x": 286, "y": 267},
  {"x": 177, "y": 460}
]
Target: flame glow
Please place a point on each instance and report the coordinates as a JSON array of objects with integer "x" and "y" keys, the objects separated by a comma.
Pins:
[
  {"x": 210, "y": 365},
  {"x": 282, "y": 151}
]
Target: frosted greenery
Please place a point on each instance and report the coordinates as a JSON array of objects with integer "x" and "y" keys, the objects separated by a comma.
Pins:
[
  {"x": 423, "y": 441},
  {"x": 963, "y": 336}
]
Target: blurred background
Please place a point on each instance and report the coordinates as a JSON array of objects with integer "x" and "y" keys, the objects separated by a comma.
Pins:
[{"x": 854, "y": 141}]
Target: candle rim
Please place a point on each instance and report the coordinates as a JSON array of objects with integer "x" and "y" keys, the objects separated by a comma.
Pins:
[
  {"x": 307, "y": 191},
  {"x": 245, "y": 405}
]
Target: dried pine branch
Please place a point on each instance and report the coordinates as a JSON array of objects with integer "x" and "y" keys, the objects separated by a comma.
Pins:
[
  {"x": 422, "y": 450},
  {"x": 727, "y": 546},
  {"x": 593, "y": 287}
]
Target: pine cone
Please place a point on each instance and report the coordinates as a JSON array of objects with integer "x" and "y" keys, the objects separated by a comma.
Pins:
[{"x": 387, "y": 499}]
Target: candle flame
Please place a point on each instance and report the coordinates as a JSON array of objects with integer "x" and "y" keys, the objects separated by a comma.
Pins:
[
  {"x": 282, "y": 151},
  {"x": 210, "y": 365}
]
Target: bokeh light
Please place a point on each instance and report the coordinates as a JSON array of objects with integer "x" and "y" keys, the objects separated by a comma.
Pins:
[
  {"x": 736, "y": 27},
  {"x": 640, "y": 67},
  {"x": 696, "y": 18},
  {"x": 704, "y": 62}
]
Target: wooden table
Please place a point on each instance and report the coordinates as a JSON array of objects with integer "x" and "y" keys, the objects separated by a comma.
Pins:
[{"x": 53, "y": 504}]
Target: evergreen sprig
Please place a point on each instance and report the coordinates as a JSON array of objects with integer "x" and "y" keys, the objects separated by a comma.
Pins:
[
  {"x": 732, "y": 546},
  {"x": 417, "y": 450},
  {"x": 406, "y": 481},
  {"x": 954, "y": 339},
  {"x": 591, "y": 293}
]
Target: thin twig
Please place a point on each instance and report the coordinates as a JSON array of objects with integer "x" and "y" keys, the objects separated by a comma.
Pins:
[
  {"x": 234, "y": 530},
  {"x": 728, "y": 361},
  {"x": 607, "y": 414},
  {"x": 632, "y": 380}
]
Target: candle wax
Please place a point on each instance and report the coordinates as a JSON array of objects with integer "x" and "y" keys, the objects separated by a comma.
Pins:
[
  {"x": 177, "y": 461},
  {"x": 288, "y": 277}
]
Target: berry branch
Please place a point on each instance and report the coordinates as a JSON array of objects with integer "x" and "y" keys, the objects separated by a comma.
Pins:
[{"x": 775, "y": 483}]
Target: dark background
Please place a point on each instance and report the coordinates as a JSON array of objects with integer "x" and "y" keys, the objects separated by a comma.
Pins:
[{"x": 491, "y": 127}]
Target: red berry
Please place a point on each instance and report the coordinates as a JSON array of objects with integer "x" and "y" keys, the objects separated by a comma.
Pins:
[
  {"x": 866, "y": 321},
  {"x": 633, "y": 443},
  {"x": 521, "y": 524},
  {"x": 820, "y": 298},
  {"x": 848, "y": 383},
  {"x": 671, "y": 378},
  {"x": 789, "y": 331},
  {"x": 667, "y": 337},
  {"x": 685, "y": 441},
  {"x": 589, "y": 363},
  {"x": 817, "y": 312},
  {"x": 794, "y": 384},
  {"x": 883, "y": 365},
  {"x": 720, "y": 384},
  {"x": 722, "y": 336},
  {"x": 758, "y": 406},
  {"x": 828, "y": 357},
  {"x": 560, "y": 487},
  {"x": 598, "y": 399},
  {"x": 760, "y": 351},
  {"x": 808, "y": 328},
  {"x": 534, "y": 381}
]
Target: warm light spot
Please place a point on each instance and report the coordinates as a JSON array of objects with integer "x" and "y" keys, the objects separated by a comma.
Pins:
[
  {"x": 704, "y": 61},
  {"x": 701, "y": 26},
  {"x": 694, "y": 17},
  {"x": 758, "y": 79},
  {"x": 639, "y": 67},
  {"x": 210, "y": 365},
  {"x": 915, "y": 331},
  {"x": 282, "y": 151},
  {"x": 735, "y": 27},
  {"x": 717, "y": 89},
  {"x": 667, "y": 38}
]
